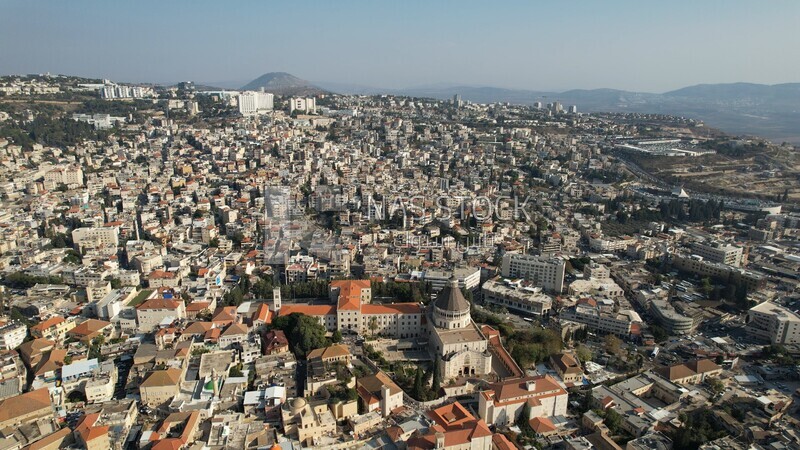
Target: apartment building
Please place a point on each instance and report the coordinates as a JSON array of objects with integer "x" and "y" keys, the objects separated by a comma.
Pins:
[
  {"x": 622, "y": 323},
  {"x": 773, "y": 322},
  {"x": 150, "y": 313},
  {"x": 12, "y": 335},
  {"x": 514, "y": 295},
  {"x": 95, "y": 237},
  {"x": 542, "y": 271},
  {"x": 719, "y": 252}
]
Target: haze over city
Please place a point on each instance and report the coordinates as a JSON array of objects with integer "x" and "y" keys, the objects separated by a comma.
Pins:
[
  {"x": 629, "y": 45},
  {"x": 352, "y": 225}
]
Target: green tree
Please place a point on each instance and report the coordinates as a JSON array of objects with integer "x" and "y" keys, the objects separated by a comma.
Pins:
[
  {"x": 418, "y": 390},
  {"x": 613, "y": 420},
  {"x": 304, "y": 333},
  {"x": 583, "y": 353},
  {"x": 707, "y": 287},
  {"x": 612, "y": 344},
  {"x": 715, "y": 384},
  {"x": 437, "y": 377},
  {"x": 659, "y": 334}
]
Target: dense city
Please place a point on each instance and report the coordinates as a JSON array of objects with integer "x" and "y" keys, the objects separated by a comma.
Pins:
[{"x": 185, "y": 267}]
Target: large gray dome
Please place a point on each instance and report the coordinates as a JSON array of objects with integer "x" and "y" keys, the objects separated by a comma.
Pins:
[{"x": 451, "y": 299}]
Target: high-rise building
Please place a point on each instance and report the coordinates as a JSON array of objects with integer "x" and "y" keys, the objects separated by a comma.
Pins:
[
  {"x": 546, "y": 272},
  {"x": 719, "y": 253},
  {"x": 573, "y": 109},
  {"x": 457, "y": 101},
  {"x": 777, "y": 323},
  {"x": 255, "y": 103},
  {"x": 307, "y": 105}
]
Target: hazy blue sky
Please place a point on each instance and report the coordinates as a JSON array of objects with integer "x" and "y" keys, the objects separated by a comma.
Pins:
[{"x": 636, "y": 45}]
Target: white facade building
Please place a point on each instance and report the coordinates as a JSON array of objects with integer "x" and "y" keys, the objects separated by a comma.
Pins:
[
  {"x": 774, "y": 322},
  {"x": 545, "y": 272},
  {"x": 255, "y": 103},
  {"x": 12, "y": 335}
]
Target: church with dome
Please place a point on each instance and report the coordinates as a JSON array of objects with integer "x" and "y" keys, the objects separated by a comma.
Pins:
[{"x": 455, "y": 341}]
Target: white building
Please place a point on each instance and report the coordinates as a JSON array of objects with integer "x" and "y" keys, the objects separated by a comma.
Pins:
[
  {"x": 307, "y": 105},
  {"x": 545, "y": 272},
  {"x": 95, "y": 237},
  {"x": 255, "y": 103},
  {"x": 774, "y": 322},
  {"x": 68, "y": 175},
  {"x": 513, "y": 295},
  {"x": 719, "y": 253},
  {"x": 468, "y": 278},
  {"x": 12, "y": 335}
]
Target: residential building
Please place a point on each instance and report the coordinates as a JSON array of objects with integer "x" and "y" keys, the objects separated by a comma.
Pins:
[
  {"x": 778, "y": 324},
  {"x": 152, "y": 312},
  {"x": 159, "y": 387},
  {"x": 547, "y": 272},
  {"x": 12, "y": 335},
  {"x": 255, "y": 103},
  {"x": 719, "y": 252},
  {"x": 515, "y": 296},
  {"x": 379, "y": 393}
]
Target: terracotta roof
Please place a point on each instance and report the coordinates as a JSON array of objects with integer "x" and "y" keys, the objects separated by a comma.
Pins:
[
  {"x": 225, "y": 314},
  {"x": 309, "y": 310},
  {"x": 53, "y": 321},
  {"x": 24, "y": 404},
  {"x": 542, "y": 425},
  {"x": 391, "y": 308},
  {"x": 86, "y": 429},
  {"x": 159, "y": 303},
  {"x": 566, "y": 363},
  {"x": 263, "y": 314},
  {"x": 212, "y": 334},
  {"x": 35, "y": 347},
  {"x": 350, "y": 293},
  {"x": 160, "y": 378},
  {"x": 501, "y": 442},
  {"x": 234, "y": 329},
  {"x": 88, "y": 327},
  {"x": 374, "y": 383},
  {"x": 49, "y": 440},
  {"x": 50, "y": 362},
  {"x": 197, "y": 306},
  {"x": 334, "y": 351},
  {"x": 198, "y": 328},
  {"x": 516, "y": 391},
  {"x": 275, "y": 338},
  {"x": 159, "y": 274},
  {"x": 456, "y": 423},
  {"x": 703, "y": 366},
  {"x": 691, "y": 368}
]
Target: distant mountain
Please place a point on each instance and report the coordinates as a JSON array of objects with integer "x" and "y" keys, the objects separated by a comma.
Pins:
[
  {"x": 282, "y": 83},
  {"x": 740, "y": 108}
]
